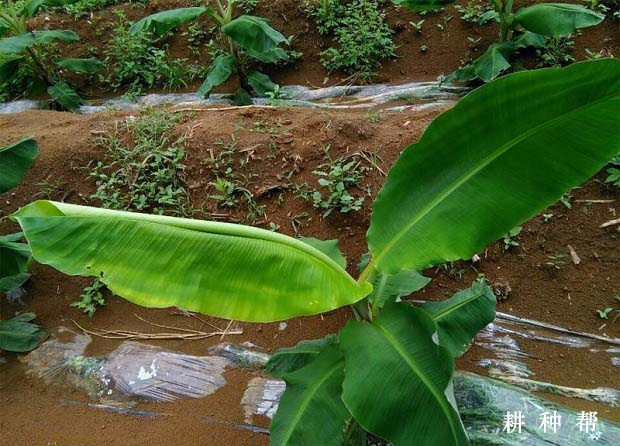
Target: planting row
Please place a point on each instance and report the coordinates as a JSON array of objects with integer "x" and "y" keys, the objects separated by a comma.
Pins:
[{"x": 35, "y": 59}]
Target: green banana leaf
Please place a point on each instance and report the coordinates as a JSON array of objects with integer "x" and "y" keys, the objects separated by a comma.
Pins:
[
  {"x": 78, "y": 65},
  {"x": 14, "y": 257},
  {"x": 66, "y": 96},
  {"x": 32, "y": 7},
  {"x": 219, "y": 72},
  {"x": 422, "y": 5},
  {"x": 163, "y": 22},
  {"x": 221, "y": 269},
  {"x": 19, "y": 335},
  {"x": 459, "y": 318},
  {"x": 397, "y": 380},
  {"x": 15, "y": 160},
  {"x": 310, "y": 411},
  {"x": 287, "y": 360},
  {"x": 556, "y": 19},
  {"x": 328, "y": 247},
  {"x": 494, "y": 60},
  {"x": 261, "y": 83},
  {"x": 9, "y": 67},
  {"x": 256, "y": 36},
  {"x": 505, "y": 152},
  {"x": 17, "y": 44},
  {"x": 391, "y": 286}
]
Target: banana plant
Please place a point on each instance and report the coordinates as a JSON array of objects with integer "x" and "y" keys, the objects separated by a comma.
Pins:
[
  {"x": 17, "y": 334},
  {"x": 527, "y": 27},
  {"x": 19, "y": 46},
  {"x": 515, "y": 145},
  {"x": 249, "y": 40}
]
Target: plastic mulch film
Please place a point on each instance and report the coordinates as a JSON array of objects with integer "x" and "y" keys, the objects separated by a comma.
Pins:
[
  {"x": 133, "y": 370},
  {"x": 484, "y": 405},
  {"x": 424, "y": 94}
]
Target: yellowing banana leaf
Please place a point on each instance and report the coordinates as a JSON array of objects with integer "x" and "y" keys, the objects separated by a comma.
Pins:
[{"x": 221, "y": 269}]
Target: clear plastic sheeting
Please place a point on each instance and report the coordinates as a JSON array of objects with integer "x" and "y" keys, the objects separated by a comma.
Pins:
[
  {"x": 133, "y": 370},
  {"x": 262, "y": 397},
  {"x": 509, "y": 356},
  {"x": 484, "y": 405},
  {"x": 142, "y": 370},
  {"x": 428, "y": 94}
]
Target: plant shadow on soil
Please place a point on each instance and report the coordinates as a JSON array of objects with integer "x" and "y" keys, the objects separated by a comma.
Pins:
[{"x": 34, "y": 413}]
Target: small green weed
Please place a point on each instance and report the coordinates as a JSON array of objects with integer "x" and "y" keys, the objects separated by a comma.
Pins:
[
  {"x": 149, "y": 175},
  {"x": 556, "y": 52},
  {"x": 555, "y": 262},
  {"x": 476, "y": 12},
  {"x": 613, "y": 173},
  {"x": 140, "y": 61},
  {"x": 231, "y": 187},
  {"x": 605, "y": 313},
  {"x": 509, "y": 239},
  {"x": 361, "y": 34},
  {"x": 336, "y": 179},
  {"x": 82, "y": 8},
  {"x": 91, "y": 298}
]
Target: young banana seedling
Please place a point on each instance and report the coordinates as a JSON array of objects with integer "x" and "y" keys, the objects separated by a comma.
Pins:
[
  {"x": 528, "y": 27},
  {"x": 19, "y": 46},
  {"x": 248, "y": 41},
  {"x": 515, "y": 146}
]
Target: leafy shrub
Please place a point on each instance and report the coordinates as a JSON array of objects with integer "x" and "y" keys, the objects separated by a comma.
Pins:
[
  {"x": 147, "y": 176},
  {"x": 362, "y": 37}
]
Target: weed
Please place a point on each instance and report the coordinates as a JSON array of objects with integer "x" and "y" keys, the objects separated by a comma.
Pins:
[
  {"x": 148, "y": 176},
  {"x": 336, "y": 178},
  {"x": 417, "y": 26},
  {"x": 555, "y": 262},
  {"x": 567, "y": 199},
  {"x": 91, "y": 298},
  {"x": 606, "y": 312},
  {"x": 373, "y": 116},
  {"x": 613, "y": 173},
  {"x": 476, "y": 12},
  {"x": 556, "y": 52},
  {"x": 361, "y": 34},
  {"x": 231, "y": 187},
  {"x": 509, "y": 239},
  {"x": 136, "y": 62},
  {"x": 82, "y": 8}
]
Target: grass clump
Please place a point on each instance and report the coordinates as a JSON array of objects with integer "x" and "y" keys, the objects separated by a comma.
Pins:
[
  {"x": 148, "y": 175},
  {"x": 362, "y": 37}
]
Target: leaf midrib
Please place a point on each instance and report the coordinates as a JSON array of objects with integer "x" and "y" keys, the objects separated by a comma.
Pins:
[
  {"x": 486, "y": 162},
  {"x": 440, "y": 314},
  {"x": 308, "y": 395},
  {"x": 402, "y": 352}
]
